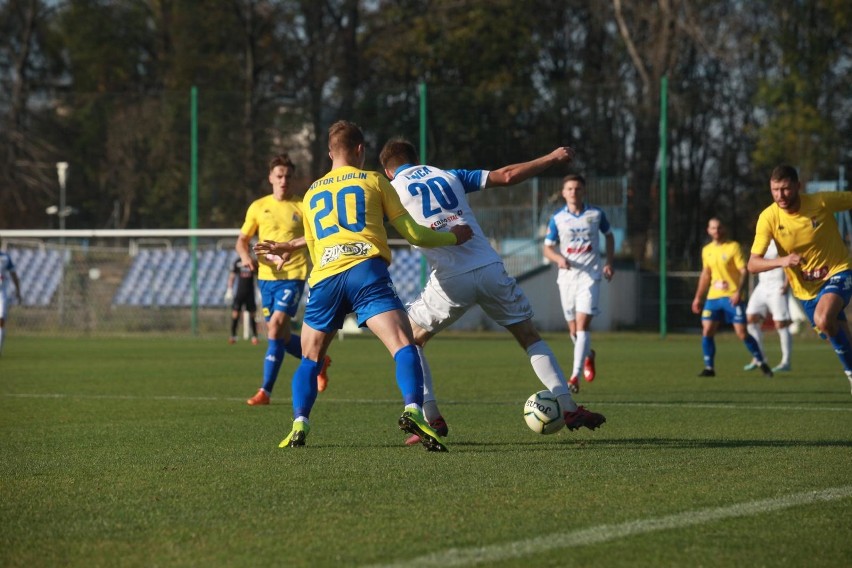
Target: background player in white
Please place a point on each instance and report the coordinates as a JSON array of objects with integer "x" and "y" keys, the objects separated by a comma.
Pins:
[
  {"x": 572, "y": 243},
  {"x": 7, "y": 273},
  {"x": 473, "y": 273},
  {"x": 771, "y": 296}
]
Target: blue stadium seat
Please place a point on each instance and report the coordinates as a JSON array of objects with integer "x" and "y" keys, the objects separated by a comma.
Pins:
[
  {"x": 162, "y": 278},
  {"x": 40, "y": 272}
]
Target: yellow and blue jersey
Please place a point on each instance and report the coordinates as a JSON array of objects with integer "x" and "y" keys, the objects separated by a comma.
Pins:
[
  {"x": 726, "y": 262},
  {"x": 279, "y": 221},
  {"x": 812, "y": 233},
  {"x": 344, "y": 220}
]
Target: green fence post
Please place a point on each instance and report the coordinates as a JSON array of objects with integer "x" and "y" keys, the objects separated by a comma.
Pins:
[
  {"x": 664, "y": 194},
  {"x": 193, "y": 205}
]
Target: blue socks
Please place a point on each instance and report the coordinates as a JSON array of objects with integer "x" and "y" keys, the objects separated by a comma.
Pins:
[
  {"x": 843, "y": 349},
  {"x": 304, "y": 387},
  {"x": 272, "y": 363},
  {"x": 753, "y": 348},
  {"x": 708, "y": 346},
  {"x": 409, "y": 375}
]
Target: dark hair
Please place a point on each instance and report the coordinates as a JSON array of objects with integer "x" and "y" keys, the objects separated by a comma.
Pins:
[
  {"x": 396, "y": 152},
  {"x": 784, "y": 171},
  {"x": 574, "y": 177},
  {"x": 282, "y": 160}
]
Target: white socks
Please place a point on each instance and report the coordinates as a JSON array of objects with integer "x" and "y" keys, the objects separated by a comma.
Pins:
[
  {"x": 786, "y": 339},
  {"x": 547, "y": 370},
  {"x": 581, "y": 350},
  {"x": 784, "y": 336},
  {"x": 430, "y": 407}
]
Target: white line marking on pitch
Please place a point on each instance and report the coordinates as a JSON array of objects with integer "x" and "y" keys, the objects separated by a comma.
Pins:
[
  {"x": 780, "y": 406},
  {"x": 606, "y": 533}
]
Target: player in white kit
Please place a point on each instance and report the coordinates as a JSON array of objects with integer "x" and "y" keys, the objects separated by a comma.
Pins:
[
  {"x": 572, "y": 243},
  {"x": 473, "y": 273},
  {"x": 7, "y": 274},
  {"x": 771, "y": 296}
]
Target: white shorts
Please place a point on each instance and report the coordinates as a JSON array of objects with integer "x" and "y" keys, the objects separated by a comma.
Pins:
[
  {"x": 769, "y": 299},
  {"x": 443, "y": 302},
  {"x": 3, "y": 305},
  {"x": 578, "y": 293}
]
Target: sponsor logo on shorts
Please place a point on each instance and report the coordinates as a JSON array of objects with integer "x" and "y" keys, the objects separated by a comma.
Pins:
[{"x": 330, "y": 254}]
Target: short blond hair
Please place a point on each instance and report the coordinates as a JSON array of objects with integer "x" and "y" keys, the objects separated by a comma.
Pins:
[{"x": 344, "y": 136}]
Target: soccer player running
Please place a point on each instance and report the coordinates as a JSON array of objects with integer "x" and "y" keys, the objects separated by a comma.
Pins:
[
  {"x": 771, "y": 296},
  {"x": 722, "y": 279},
  {"x": 278, "y": 217},
  {"x": 347, "y": 241},
  {"x": 812, "y": 254},
  {"x": 472, "y": 274},
  {"x": 243, "y": 299},
  {"x": 572, "y": 244},
  {"x": 7, "y": 273}
]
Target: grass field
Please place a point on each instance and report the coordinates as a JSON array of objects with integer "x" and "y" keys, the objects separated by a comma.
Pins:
[{"x": 142, "y": 452}]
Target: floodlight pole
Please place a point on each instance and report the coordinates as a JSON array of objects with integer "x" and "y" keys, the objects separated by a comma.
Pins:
[
  {"x": 193, "y": 205},
  {"x": 62, "y": 174}
]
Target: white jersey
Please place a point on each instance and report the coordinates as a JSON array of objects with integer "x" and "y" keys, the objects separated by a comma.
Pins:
[
  {"x": 578, "y": 239},
  {"x": 437, "y": 199},
  {"x": 772, "y": 278}
]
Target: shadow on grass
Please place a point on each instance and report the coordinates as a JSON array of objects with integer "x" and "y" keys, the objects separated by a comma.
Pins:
[{"x": 650, "y": 443}]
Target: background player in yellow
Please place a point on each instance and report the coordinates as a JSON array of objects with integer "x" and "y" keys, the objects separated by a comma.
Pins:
[
  {"x": 812, "y": 253},
  {"x": 277, "y": 217},
  {"x": 723, "y": 276},
  {"x": 345, "y": 234}
]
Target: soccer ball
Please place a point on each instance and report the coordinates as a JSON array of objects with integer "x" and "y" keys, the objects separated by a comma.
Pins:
[{"x": 542, "y": 413}]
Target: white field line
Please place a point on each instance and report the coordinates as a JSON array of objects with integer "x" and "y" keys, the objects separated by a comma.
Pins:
[
  {"x": 285, "y": 399},
  {"x": 604, "y": 533}
]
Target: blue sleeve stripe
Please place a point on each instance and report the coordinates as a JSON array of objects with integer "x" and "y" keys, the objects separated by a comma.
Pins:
[{"x": 471, "y": 180}]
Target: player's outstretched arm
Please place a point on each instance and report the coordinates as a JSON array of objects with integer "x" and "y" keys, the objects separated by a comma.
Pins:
[
  {"x": 516, "y": 173},
  {"x": 279, "y": 247},
  {"x": 756, "y": 262},
  {"x": 279, "y": 252},
  {"x": 421, "y": 236}
]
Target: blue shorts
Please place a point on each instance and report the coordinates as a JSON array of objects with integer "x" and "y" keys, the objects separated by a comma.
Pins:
[
  {"x": 365, "y": 289},
  {"x": 840, "y": 284},
  {"x": 280, "y": 296},
  {"x": 715, "y": 310}
]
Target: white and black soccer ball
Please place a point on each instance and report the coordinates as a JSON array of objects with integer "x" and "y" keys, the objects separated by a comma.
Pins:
[{"x": 542, "y": 413}]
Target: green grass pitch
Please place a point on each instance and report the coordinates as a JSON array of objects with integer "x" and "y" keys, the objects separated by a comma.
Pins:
[{"x": 142, "y": 452}]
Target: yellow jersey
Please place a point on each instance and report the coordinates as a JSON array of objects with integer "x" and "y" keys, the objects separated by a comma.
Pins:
[
  {"x": 726, "y": 261},
  {"x": 280, "y": 221},
  {"x": 344, "y": 220},
  {"x": 812, "y": 233}
]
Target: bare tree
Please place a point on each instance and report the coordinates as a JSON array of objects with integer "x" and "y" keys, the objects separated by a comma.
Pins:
[{"x": 27, "y": 165}]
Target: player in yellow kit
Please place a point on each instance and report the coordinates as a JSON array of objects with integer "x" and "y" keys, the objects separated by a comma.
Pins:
[
  {"x": 812, "y": 253},
  {"x": 278, "y": 217},
  {"x": 722, "y": 278},
  {"x": 345, "y": 234}
]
